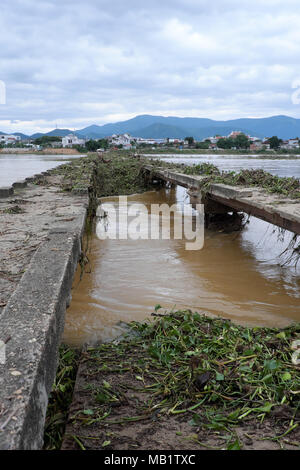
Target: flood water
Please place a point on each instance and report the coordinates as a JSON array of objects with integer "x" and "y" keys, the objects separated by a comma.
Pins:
[
  {"x": 280, "y": 166},
  {"x": 18, "y": 167},
  {"x": 237, "y": 276}
]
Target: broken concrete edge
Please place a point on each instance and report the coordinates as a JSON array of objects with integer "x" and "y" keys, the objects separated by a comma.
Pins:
[
  {"x": 19, "y": 184},
  {"x": 6, "y": 191}
]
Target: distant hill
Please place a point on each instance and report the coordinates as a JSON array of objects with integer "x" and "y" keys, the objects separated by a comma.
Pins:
[
  {"x": 148, "y": 126},
  {"x": 54, "y": 133},
  {"x": 92, "y": 132},
  {"x": 23, "y": 136},
  {"x": 160, "y": 131}
]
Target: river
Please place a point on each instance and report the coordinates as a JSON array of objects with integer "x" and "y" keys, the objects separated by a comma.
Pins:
[
  {"x": 284, "y": 166},
  {"x": 18, "y": 167},
  {"x": 238, "y": 276}
]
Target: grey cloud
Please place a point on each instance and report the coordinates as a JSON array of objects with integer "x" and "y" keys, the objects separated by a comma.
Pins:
[{"x": 86, "y": 62}]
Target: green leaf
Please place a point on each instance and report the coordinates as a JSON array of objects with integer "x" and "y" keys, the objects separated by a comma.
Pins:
[
  {"x": 266, "y": 408},
  {"x": 195, "y": 421},
  {"x": 106, "y": 443},
  {"x": 248, "y": 352},
  {"x": 281, "y": 335},
  {"x": 101, "y": 398},
  {"x": 271, "y": 364},
  {"x": 219, "y": 376},
  {"x": 88, "y": 412},
  {"x": 190, "y": 353},
  {"x": 234, "y": 445},
  {"x": 286, "y": 376},
  {"x": 138, "y": 377},
  {"x": 267, "y": 378}
]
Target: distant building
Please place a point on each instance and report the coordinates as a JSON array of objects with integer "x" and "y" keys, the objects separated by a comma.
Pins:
[
  {"x": 293, "y": 143},
  {"x": 290, "y": 144},
  {"x": 175, "y": 141},
  {"x": 123, "y": 139},
  {"x": 256, "y": 145},
  {"x": 71, "y": 140},
  {"x": 213, "y": 146},
  {"x": 141, "y": 140},
  {"x": 234, "y": 134},
  {"x": 9, "y": 139},
  {"x": 214, "y": 140}
]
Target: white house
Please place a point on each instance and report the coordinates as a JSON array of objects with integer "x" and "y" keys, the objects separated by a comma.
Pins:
[
  {"x": 141, "y": 140},
  {"x": 9, "y": 139},
  {"x": 124, "y": 140},
  {"x": 293, "y": 143},
  {"x": 290, "y": 144},
  {"x": 72, "y": 139}
]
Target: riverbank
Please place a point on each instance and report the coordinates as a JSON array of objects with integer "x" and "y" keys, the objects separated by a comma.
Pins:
[
  {"x": 46, "y": 151},
  {"x": 185, "y": 381}
]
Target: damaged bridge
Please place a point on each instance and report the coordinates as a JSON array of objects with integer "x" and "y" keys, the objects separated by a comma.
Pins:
[{"x": 221, "y": 199}]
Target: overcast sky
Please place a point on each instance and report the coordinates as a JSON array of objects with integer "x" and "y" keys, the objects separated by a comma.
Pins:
[{"x": 76, "y": 63}]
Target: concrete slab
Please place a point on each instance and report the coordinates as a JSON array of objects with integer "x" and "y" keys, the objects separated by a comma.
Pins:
[
  {"x": 272, "y": 208},
  {"x": 230, "y": 192},
  {"x": 20, "y": 184},
  {"x": 39, "y": 252},
  {"x": 6, "y": 191},
  {"x": 34, "y": 320}
]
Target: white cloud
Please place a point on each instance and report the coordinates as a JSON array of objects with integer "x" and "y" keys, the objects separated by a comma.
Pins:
[{"x": 78, "y": 63}]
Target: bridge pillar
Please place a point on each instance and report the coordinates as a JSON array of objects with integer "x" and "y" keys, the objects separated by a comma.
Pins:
[
  {"x": 210, "y": 206},
  {"x": 218, "y": 216}
]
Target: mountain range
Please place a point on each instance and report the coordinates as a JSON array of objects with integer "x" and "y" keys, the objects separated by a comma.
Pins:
[{"x": 159, "y": 127}]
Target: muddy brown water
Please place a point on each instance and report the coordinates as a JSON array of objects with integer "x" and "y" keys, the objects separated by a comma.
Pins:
[{"x": 237, "y": 276}]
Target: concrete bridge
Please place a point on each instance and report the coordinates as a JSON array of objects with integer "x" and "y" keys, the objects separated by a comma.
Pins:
[{"x": 220, "y": 199}]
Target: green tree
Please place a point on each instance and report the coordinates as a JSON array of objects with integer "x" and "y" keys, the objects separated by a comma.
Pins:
[
  {"x": 93, "y": 145},
  {"x": 202, "y": 145},
  {"x": 47, "y": 139},
  {"x": 274, "y": 142},
  {"x": 189, "y": 140},
  {"x": 225, "y": 143},
  {"x": 103, "y": 144},
  {"x": 241, "y": 141}
]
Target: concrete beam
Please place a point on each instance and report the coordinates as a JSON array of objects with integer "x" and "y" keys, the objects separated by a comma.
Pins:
[{"x": 273, "y": 208}]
